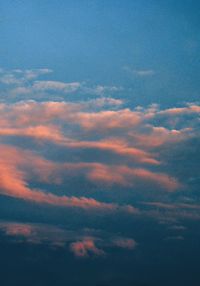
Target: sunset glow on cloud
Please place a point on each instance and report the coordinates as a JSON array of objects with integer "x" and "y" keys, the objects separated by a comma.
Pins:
[
  {"x": 129, "y": 135},
  {"x": 99, "y": 143}
]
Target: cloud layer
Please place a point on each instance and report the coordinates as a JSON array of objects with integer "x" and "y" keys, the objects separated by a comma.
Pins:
[{"x": 98, "y": 143}]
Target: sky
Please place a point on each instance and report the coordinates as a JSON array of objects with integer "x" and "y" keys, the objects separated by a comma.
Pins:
[{"x": 99, "y": 142}]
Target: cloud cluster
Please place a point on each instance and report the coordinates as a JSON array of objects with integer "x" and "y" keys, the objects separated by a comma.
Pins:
[
  {"x": 17, "y": 166},
  {"x": 96, "y": 141},
  {"x": 20, "y": 84},
  {"x": 83, "y": 243},
  {"x": 128, "y": 135}
]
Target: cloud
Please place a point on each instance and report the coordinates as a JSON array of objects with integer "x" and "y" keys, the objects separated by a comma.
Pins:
[
  {"x": 139, "y": 72},
  {"x": 20, "y": 77},
  {"x": 35, "y": 115},
  {"x": 128, "y": 135},
  {"x": 191, "y": 108},
  {"x": 16, "y": 229},
  {"x": 40, "y": 132},
  {"x": 174, "y": 206},
  {"x": 115, "y": 146},
  {"x": 56, "y": 86},
  {"x": 126, "y": 176},
  {"x": 172, "y": 212},
  {"x": 126, "y": 243},
  {"x": 101, "y": 89},
  {"x": 12, "y": 166},
  {"x": 157, "y": 136},
  {"x": 10, "y": 79},
  {"x": 94, "y": 157},
  {"x": 85, "y": 248},
  {"x": 98, "y": 142},
  {"x": 34, "y": 73},
  {"x": 18, "y": 84},
  {"x": 13, "y": 183},
  {"x": 110, "y": 119},
  {"x": 144, "y": 72},
  {"x": 83, "y": 243},
  {"x": 103, "y": 102}
]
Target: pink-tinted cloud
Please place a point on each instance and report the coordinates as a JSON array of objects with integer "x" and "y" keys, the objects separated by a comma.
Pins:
[
  {"x": 18, "y": 166},
  {"x": 16, "y": 229},
  {"x": 40, "y": 132},
  {"x": 158, "y": 136},
  {"x": 132, "y": 176},
  {"x": 13, "y": 182},
  {"x": 191, "y": 108},
  {"x": 86, "y": 248},
  {"x": 116, "y": 146},
  {"x": 53, "y": 134},
  {"x": 128, "y": 134},
  {"x": 130, "y": 145},
  {"x": 32, "y": 115},
  {"x": 102, "y": 120}
]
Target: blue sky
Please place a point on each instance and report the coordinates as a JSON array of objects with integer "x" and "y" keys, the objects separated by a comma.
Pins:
[{"x": 96, "y": 40}]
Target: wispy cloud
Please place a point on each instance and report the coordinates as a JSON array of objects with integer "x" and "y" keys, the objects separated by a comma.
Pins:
[
  {"x": 139, "y": 72},
  {"x": 56, "y": 86},
  {"x": 24, "y": 84},
  {"x": 20, "y": 77}
]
